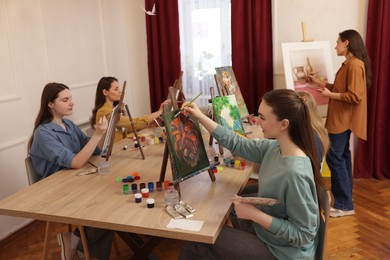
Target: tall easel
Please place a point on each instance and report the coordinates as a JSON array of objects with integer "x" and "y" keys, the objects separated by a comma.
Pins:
[
  {"x": 304, "y": 33},
  {"x": 224, "y": 91},
  {"x": 220, "y": 148},
  {"x": 172, "y": 94},
  {"x": 114, "y": 119},
  {"x": 135, "y": 132}
]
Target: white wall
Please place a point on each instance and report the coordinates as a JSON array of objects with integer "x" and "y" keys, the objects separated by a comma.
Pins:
[
  {"x": 77, "y": 42},
  {"x": 73, "y": 42}
]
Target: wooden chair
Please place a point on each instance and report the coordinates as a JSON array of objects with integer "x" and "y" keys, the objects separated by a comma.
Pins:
[
  {"x": 33, "y": 177},
  {"x": 325, "y": 200}
]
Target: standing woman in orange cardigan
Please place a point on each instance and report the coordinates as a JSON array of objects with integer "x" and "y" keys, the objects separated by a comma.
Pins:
[{"x": 347, "y": 112}]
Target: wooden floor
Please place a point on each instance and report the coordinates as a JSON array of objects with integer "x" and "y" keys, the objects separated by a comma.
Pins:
[{"x": 366, "y": 235}]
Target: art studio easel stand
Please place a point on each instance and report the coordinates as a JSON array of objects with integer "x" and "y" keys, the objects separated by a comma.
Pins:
[
  {"x": 220, "y": 148},
  {"x": 223, "y": 91},
  {"x": 113, "y": 123},
  {"x": 167, "y": 153},
  {"x": 135, "y": 132},
  {"x": 304, "y": 33}
]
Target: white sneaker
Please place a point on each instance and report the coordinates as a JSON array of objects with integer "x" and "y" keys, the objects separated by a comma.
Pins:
[
  {"x": 64, "y": 240},
  {"x": 335, "y": 213},
  {"x": 79, "y": 255},
  {"x": 74, "y": 241}
]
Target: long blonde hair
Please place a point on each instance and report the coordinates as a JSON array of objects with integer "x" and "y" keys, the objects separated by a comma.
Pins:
[{"x": 316, "y": 120}]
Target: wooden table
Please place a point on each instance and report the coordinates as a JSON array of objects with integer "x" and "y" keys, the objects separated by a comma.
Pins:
[{"x": 97, "y": 201}]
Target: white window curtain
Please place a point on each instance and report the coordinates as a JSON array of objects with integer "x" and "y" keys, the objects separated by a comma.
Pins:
[{"x": 205, "y": 43}]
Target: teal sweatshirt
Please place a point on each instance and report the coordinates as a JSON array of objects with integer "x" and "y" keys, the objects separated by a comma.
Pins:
[{"x": 293, "y": 232}]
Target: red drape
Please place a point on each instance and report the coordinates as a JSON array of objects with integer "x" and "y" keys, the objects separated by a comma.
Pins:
[
  {"x": 163, "y": 41},
  {"x": 372, "y": 158},
  {"x": 252, "y": 49}
]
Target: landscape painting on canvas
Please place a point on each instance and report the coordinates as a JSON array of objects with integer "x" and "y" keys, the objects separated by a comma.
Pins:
[
  {"x": 188, "y": 154},
  {"x": 226, "y": 79},
  {"x": 227, "y": 114}
]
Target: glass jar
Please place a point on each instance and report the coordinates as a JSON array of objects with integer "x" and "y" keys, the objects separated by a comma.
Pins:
[{"x": 171, "y": 196}]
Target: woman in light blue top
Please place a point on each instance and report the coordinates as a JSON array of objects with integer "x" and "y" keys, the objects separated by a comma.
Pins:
[
  {"x": 289, "y": 173},
  {"x": 57, "y": 143}
]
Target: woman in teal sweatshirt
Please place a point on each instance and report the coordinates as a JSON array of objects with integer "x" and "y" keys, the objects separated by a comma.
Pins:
[{"x": 289, "y": 173}]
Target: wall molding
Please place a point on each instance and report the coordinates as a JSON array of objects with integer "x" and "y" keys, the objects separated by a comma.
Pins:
[
  {"x": 13, "y": 144},
  {"x": 101, "y": 20},
  {"x": 83, "y": 85},
  {"x": 4, "y": 99},
  {"x": 16, "y": 91}
]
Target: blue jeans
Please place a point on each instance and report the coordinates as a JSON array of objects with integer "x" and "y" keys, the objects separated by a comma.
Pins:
[{"x": 340, "y": 165}]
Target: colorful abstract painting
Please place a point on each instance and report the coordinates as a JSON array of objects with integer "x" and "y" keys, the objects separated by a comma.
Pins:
[
  {"x": 188, "y": 155},
  {"x": 227, "y": 79},
  {"x": 227, "y": 114}
]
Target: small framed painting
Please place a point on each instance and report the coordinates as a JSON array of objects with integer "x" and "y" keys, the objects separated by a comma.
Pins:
[{"x": 303, "y": 58}]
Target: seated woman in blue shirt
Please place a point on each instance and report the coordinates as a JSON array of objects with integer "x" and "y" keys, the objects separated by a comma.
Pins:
[
  {"x": 289, "y": 173},
  {"x": 56, "y": 144}
]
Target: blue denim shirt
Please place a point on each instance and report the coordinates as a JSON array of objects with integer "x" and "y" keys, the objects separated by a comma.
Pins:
[
  {"x": 319, "y": 149},
  {"x": 53, "y": 148}
]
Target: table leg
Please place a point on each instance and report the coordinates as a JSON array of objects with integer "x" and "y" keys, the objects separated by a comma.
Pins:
[
  {"x": 47, "y": 240},
  {"x": 140, "y": 247},
  {"x": 84, "y": 242}
]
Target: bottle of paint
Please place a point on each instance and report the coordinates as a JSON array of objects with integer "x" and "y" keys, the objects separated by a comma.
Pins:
[
  {"x": 145, "y": 192},
  {"x": 125, "y": 188},
  {"x": 138, "y": 197},
  {"x": 150, "y": 203}
]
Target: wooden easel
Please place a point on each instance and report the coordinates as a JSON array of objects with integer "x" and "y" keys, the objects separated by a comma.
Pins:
[
  {"x": 224, "y": 91},
  {"x": 175, "y": 92},
  {"x": 220, "y": 148},
  {"x": 135, "y": 132},
  {"x": 304, "y": 33},
  {"x": 167, "y": 153},
  {"x": 110, "y": 136}
]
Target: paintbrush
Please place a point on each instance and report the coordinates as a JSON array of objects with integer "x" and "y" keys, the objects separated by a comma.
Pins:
[
  {"x": 159, "y": 126},
  {"x": 181, "y": 110}
]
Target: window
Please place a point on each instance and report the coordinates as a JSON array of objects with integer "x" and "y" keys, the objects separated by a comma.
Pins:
[{"x": 205, "y": 43}]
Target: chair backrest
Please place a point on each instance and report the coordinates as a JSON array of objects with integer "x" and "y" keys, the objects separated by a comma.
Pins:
[
  {"x": 32, "y": 175},
  {"x": 325, "y": 201}
]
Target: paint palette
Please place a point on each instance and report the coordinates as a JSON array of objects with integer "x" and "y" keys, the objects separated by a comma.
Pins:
[{"x": 257, "y": 200}]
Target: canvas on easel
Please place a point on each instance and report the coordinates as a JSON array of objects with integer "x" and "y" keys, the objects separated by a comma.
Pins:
[
  {"x": 301, "y": 59},
  {"x": 227, "y": 83},
  {"x": 308, "y": 57},
  {"x": 227, "y": 113},
  {"x": 186, "y": 145},
  {"x": 112, "y": 123}
]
